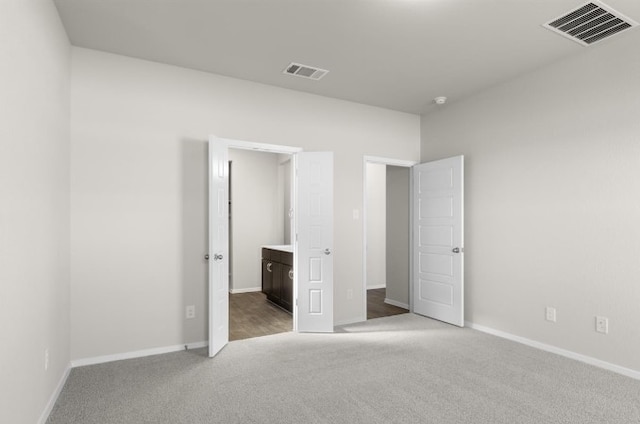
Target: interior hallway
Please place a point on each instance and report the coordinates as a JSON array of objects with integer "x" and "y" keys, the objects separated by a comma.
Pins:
[{"x": 376, "y": 308}]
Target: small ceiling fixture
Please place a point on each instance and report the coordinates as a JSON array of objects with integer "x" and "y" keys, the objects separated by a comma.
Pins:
[
  {"x": 591, "y": 22},
  {"x": 305, "y": 71},
  {"x": 440, "y": 100}
]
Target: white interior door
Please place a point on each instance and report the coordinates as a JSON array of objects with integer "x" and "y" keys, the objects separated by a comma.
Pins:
[
  {"x": 218, "y": 246},
  {"x": 314, "y": 256},
  {"x": 438, "y": 258}
]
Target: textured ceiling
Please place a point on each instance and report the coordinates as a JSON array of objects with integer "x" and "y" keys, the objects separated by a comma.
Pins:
[{"x": 396, "y": 54}]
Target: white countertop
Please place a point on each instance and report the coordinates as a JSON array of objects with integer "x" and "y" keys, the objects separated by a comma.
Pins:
[{"x": 282, "y": 248}]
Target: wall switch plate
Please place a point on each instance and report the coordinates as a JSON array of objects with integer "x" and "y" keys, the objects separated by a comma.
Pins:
[
  {"x": 349, "y": 294},
  {"x": 550, "y": 314},
  {"x": 191, "y": 311},
  {"x": 602, "y": 325},
  {"x": 46, "y": 359}
]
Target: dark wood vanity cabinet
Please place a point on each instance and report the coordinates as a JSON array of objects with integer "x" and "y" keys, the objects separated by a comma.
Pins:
[{"x": 277, "y": 277}]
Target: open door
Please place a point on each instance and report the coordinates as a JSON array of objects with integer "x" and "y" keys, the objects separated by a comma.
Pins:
[
  {"x": 314, "y": 256},
  {"x": 438, "y": 251},
  {"x": 218, "y": 246}
]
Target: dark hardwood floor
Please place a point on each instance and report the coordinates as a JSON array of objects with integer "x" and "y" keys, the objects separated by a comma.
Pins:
[
  {"x": 252, "y": 315},
  {"x": 376, "y": 308}
]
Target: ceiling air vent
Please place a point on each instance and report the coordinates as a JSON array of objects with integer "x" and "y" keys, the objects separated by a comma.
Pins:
[
  {"x": 591, "y": 22},
  {"x": 305, "y": 71}
]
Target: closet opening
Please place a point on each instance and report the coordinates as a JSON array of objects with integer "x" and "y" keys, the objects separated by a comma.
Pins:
[{"x": 387, "y": 237}]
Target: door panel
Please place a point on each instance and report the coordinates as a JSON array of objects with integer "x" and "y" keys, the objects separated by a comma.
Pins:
[
  {"x": 218, "y": 246},
  {"x": 276, "y": 282},
  {"x": 287, "y": 287},
  {"x": 314, "y": 260},
  {"x": 436, "y": 292},
  {"x": 438, "y": 249},
  {"x": 436, "y": 235},
  {"x": 267, "y": 277}
]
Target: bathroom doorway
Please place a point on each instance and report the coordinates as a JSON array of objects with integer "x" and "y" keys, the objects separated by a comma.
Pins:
[{"x": 260, "y": 205}]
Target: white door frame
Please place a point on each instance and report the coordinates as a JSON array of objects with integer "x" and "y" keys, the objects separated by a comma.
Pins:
[
  {"x": 392, "y": 162},
  {"x": 271, "y": 148}
]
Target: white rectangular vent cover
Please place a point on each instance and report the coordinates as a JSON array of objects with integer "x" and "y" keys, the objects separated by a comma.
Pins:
[
  {"x": 594, "y": 21},
  {"x": 305, "y": 71}
]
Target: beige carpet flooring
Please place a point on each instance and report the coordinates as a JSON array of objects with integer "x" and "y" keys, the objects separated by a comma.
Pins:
[{"x": 400, "y": 369}]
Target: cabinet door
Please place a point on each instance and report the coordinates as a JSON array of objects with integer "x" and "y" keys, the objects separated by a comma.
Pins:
[
  {"x": 276, "y": 285},
  {"x": 286, "y": 293},
  {"x": 267, "y": 277}
]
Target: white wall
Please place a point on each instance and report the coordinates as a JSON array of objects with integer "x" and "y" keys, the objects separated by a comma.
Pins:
[
  {"x": 284, "y": 173},
  {"x": 138, "y": 181},
  {"x": 551, "y": 196},
  {"x": 376, "y": 225},
  {"x": 34, "y": 207},
  {"x": 256, "y": 213},
  {"x": 397, "y": 237}
]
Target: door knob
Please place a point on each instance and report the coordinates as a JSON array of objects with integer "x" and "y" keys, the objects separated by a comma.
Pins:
[
  {"x": 291, "y": 274},
  {"x": 456, "y": 250},
  {"x": 206, "y": 257},
  {"x": 327, "y": 251},
  {"x": 217, "y": 257}
]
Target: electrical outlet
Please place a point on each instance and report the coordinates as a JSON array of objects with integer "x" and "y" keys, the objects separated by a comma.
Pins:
[
  {"x": 602, "y": 325},
  {"x": 46, "y": 359},
  {"x": 349, "y": 294},
  {"x": 551, "y": 314},
  {"x": 191, "y": 311}
]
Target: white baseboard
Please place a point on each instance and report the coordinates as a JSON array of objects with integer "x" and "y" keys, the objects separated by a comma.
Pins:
[
  {"x": 396, "y": 303},
  {"x": 54, "y": 396},
  {"x": 377, "y": 286},
  {"x": 136, "y": 354},
  {"x": 558, "y": 351},
  {"x": 197, "y": 345},
  {"x": 249, "y": 290}
]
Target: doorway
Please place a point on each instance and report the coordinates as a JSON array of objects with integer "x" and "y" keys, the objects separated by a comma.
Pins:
[
  {"x": 311, "y": 233},
  {"x": 387, "y": 229},
  {"x": 258, "y": 182}
]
